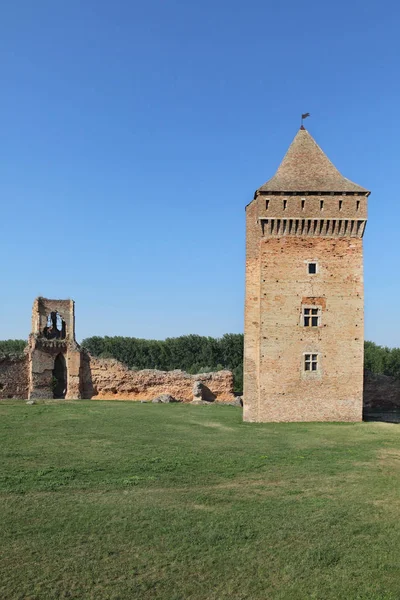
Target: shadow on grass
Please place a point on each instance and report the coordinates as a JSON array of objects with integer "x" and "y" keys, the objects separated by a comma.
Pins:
[{"x": 384, "y": 416}]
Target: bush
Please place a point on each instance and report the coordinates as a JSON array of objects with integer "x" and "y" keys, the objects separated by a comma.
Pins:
[{"x": 12, "y": 348}]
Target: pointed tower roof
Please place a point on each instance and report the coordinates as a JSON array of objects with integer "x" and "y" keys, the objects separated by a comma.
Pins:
[{"x": 306, "y": 168}]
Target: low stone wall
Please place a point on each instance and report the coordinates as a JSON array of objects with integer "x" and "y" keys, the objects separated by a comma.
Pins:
[
  {"x": 381, "y": 392},
  {"x": 108, "y": 379},
  {"x": 14, "y": 377}
]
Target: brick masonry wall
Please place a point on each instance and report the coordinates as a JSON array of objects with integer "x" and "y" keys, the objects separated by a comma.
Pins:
[
  {"x": 277, "y": 284},
  {"x": 251, "y": 359}
]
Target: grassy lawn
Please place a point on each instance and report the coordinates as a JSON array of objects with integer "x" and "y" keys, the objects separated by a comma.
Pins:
[{"x": 118, "y": 500}]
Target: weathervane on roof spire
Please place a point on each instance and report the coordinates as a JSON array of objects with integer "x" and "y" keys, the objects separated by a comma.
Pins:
[{"x": 304, "y": 116}]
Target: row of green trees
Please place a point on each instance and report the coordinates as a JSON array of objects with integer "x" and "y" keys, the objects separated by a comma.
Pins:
[
  {"x": 12, "y": 348},
  {"x": 382, "y": 360},
  {"x": 197, "y": 354}
]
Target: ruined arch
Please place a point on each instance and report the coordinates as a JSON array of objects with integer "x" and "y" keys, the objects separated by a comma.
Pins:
[
  {"x": 59, "y": 376},
  {"x": 53, "y": 333}
]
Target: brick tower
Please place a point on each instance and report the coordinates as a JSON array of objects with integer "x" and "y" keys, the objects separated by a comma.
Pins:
[{"x": 304, "y": 309}]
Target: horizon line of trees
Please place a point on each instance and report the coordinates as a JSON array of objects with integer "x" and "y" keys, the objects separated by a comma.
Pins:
[
  {"x": 197, "y": 354},
  {"x": 12, "y": 348}
]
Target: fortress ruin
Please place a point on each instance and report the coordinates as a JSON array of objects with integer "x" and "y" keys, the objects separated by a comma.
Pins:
[
  {"x": 55, "y": 366},
  {"x": 55, "y": 358}
]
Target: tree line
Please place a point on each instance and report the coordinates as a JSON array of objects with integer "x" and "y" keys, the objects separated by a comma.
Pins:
[
  {"x": 382, "y": 360},
  {"x": 198, "y": 354},
  {"x": 12, "y": 348}
]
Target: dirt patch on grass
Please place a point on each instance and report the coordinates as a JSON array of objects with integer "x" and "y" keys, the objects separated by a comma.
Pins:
[
  {"x": 202, "y": 507},
  {"x": 392, "y": 503},
  {"x": 213, "y": 425},
  {"x": 389, "y": 457},
  {"x": 360, "y": 463}
]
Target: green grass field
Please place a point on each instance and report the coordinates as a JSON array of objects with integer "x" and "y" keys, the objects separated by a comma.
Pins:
[{"x": 119, "y": 500}]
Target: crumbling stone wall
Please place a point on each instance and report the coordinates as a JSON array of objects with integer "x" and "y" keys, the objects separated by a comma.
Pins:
[
  {"x": 42, "y": 358},
  {"x": 42, "y": 307},
  {"x": 14, "y": 377},
  {"x": 108, "y": 379}
]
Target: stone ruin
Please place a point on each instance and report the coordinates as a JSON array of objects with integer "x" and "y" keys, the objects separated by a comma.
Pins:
[
  {"x": 54, "y": 355},
  {"x": 55, "y": 366}
]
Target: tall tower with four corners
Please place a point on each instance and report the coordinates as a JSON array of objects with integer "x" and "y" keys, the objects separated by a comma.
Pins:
[{"x": 304, "y": 310}]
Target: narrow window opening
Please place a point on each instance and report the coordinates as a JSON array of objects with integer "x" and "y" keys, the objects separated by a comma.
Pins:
[
  {"x": 358, "y": 205},
  {"x": 321, "y": 204},
  {"x": 311, "y": 317},
  {"x": 284, "y": 204},
  {"x": 303, "y": 203},
  {"x": 340, "y": 204},
  {"x": 311, "y": 362},
  {"x": 312, "y": 268},
  {"x": 266, "y": 204},
  {"x": 59, "y": 381},
  {"x": 314, "y": 317}
]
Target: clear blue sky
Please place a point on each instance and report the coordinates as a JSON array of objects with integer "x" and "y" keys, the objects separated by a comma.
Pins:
[{"x": 133, "y": 134}]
